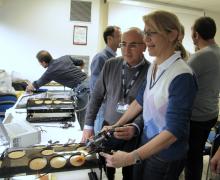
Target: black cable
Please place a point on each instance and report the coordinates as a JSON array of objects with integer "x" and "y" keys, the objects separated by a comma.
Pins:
[
  {"x": 100, "y": 167},
  {"x": 92, "y": 175}
]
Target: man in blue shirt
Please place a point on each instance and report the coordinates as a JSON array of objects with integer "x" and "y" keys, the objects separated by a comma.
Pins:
[{"x": 112, "y": 38}]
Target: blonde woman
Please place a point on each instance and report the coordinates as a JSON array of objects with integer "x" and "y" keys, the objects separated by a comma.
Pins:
[{"x": 166, "y": 101}]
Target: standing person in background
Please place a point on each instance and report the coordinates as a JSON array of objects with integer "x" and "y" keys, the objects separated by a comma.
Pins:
[
  {"x": 118, "y": 85},
  {"x": 206, "y": 65},
  {"x": 166, "y": 101},
  {"x": 112, "y": 38}
]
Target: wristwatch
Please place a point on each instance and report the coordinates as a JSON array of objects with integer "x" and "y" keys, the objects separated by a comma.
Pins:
[{"x": 137, "y": 158}]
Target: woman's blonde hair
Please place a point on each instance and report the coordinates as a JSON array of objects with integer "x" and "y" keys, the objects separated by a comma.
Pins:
[
  {"x": 162, "y": 22},
  {"x": 181, "y": 48}
]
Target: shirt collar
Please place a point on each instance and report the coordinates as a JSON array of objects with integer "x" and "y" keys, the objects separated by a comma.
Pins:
[
  {"x": 167, "y": 63},
  {"x": 111, "y": 51},
  {"x": 137, "y": 65}
]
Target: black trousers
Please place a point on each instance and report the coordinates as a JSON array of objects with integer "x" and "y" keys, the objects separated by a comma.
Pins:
[
  {"x": 199, "y": 132},
  {"x": 127, "y": 172},
  {"x": 117, "y": 144},
  {"x": 155, "y": 168}
]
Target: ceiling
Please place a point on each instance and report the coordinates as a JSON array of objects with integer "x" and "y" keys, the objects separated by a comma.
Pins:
[{"x": 210, "y": 5}]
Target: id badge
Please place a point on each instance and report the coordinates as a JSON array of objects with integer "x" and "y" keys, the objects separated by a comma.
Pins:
[{"x": 122, "y": 107}]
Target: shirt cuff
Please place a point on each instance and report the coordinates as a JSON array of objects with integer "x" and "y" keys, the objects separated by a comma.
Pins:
[
  {"x": 88, "y": 127},
  {"x": 138, "y": 129}
]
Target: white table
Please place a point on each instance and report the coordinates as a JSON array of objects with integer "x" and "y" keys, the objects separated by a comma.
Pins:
[{"x": 53, "y": 132}]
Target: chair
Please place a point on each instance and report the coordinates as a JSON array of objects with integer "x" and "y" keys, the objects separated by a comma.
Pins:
[
  {"x": 6, "y": 102},
  {"x": 215, "y": 143}
]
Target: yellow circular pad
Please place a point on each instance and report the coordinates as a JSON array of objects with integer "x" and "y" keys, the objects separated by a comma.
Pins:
[
  {"x": 38, "y": 163},
  {"x": 58, "y": 162},
  {"x": 16, "y": 154},
  {"x": 47, "y": 152},
  {"x": 77, "y": 160}
]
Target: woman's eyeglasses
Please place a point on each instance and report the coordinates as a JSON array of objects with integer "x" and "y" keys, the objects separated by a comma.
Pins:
[{"x": 149, "y": 33}]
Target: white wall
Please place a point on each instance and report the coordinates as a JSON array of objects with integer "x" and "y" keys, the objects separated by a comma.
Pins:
[
  {"x": 130, "y": 14},
  {"x": 216, "y": 17},
  {"x": 27, "y": 26}
]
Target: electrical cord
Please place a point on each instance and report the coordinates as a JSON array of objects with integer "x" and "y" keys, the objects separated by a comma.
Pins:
[
  {"x": 86, "y": 105},
  {"x": 63, "y": 125}
]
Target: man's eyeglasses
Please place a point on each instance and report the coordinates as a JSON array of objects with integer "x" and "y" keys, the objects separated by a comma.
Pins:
[
  {"x": 133, "y": 45},
  {"x": 149, "y": 33}
]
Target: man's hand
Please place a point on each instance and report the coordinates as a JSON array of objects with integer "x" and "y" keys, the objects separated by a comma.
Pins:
[
  {"x": 215, "y": 162},
  {"x": 118, "y": 159},
  {"x": 87, "y": 133},
  {"x": 125, "y": 132},
  {"x": 30, "y": 87}
]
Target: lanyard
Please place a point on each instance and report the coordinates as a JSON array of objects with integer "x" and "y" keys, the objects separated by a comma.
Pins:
[
  {"x": 124, "y": 89},
  {"x": 152, "y": 83}
]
